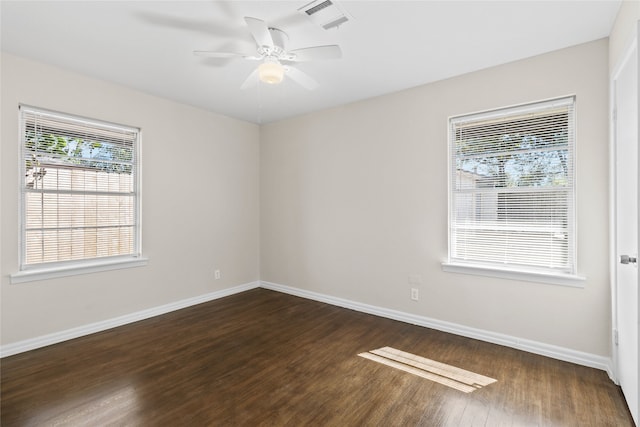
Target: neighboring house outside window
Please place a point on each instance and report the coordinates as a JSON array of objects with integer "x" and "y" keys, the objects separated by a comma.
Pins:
[
  {"x": 79, "y": 190},
  {"x": 512, "y": 189}
]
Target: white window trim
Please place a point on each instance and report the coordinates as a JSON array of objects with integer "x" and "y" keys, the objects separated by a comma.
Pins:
[
  {"x": 575, "y": 281},
  {"x": 83, "y": 266},
  {"x": 77, "y": 268},
  {"x": 524, "y": 274}
]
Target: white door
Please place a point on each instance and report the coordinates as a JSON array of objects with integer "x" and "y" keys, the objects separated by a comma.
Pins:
[{"x": 625, "y": 133}]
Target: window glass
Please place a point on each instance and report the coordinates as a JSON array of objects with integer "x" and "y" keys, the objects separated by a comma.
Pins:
[
  {"x": 79, "y": 189},
  {"x": 512, "y": 188}
]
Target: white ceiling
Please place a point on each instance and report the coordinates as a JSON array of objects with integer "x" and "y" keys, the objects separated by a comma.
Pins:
[{"x": 387, "y": 45}]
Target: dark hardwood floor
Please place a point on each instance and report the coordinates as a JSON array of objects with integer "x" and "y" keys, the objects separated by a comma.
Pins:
[{"x": 265, "y": 358}]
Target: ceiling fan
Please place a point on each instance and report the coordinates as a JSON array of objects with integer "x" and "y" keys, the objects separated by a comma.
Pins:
[{"x": 275, "y": 59}]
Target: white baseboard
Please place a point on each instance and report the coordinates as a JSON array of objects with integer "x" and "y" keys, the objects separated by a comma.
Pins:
[
  {"x": 56, "y": 337},
  {"x": 548, "y": 350}
]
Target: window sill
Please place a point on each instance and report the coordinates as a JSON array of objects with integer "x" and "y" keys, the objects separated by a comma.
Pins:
[
  {"x": 528, "y": 276},
  {"x": 76, "y": 269}
]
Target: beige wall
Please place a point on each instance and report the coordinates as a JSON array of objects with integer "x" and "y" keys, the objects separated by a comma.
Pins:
[
  {"x": 354, "y": 200},
  {"x": 349, "y": 202},
  {"x": 199, "y": 203}
]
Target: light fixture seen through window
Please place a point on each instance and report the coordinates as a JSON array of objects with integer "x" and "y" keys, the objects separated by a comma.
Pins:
[{"x": 271, "y": 71}]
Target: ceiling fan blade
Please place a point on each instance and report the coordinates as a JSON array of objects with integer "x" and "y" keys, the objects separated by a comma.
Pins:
[
  {"x": 302, "y": 78},
  {"x": 332, "y": 51},
  {"x": 260, "y": 31},
  {"x": 212, "y": 54},
  {"x": 251, "y": 81}
]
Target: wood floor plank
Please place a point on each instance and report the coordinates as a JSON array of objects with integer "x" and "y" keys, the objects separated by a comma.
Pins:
[{"x": 265, "y": 358}]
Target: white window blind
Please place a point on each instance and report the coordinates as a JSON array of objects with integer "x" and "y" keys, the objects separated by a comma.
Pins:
[
  {"x": 79, "y": 189},
  {"x": 513, "y": 188}
]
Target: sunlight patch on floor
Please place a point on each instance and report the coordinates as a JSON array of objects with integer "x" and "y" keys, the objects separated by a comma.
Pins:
[{"x": 459, "y": 379}]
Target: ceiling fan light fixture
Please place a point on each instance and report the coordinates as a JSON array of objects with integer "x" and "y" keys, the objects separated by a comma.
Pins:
[{"x": 271, "y": 72}]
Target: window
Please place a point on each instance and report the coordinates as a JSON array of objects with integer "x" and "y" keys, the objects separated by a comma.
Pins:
[
  {"x": 512, "y": 189},
  {"x": 79, "y": 191}
]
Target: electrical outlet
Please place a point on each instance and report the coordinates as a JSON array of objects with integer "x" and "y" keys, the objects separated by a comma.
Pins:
[
  {"x": 414, "y": 294},
  {"x": 217, "y": 274}
]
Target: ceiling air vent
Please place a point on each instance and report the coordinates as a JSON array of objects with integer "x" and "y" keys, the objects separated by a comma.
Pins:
[
  {"x": 318, "y": 7},
  {"x": 325, "y": 13}
]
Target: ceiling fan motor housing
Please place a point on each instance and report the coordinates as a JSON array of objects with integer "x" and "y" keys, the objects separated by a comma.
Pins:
[{"x": 279, "y": 48}]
